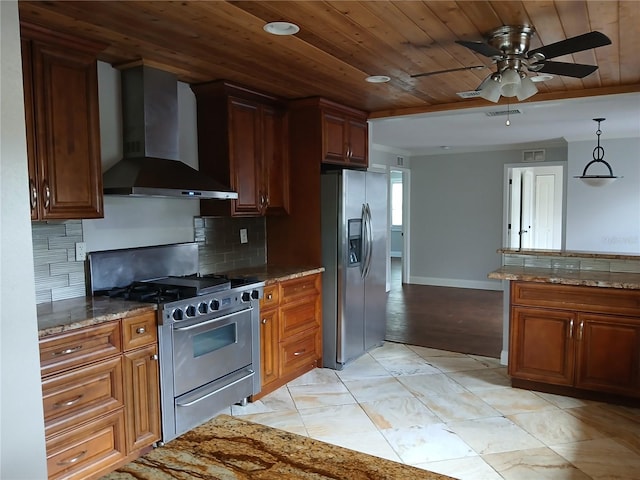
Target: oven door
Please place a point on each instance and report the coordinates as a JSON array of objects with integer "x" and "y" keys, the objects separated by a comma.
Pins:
[{"x": 210, "y": 348}]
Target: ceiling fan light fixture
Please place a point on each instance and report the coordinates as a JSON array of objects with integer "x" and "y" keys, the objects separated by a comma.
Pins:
[
  {"x": 281, "y": 28},
  {"x": 491, "y": 88},
  {"x": 527, "y": 89},
  {"x": 378, "y": 79},
  {"x": 598, "y": 157}
]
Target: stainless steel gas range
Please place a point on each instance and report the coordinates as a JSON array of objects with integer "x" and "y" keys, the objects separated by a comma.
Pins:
[{"x": 208, "y": 328}]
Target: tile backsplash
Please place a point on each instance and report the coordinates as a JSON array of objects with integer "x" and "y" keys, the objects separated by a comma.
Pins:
[
  {"x": 57, "y": 274},
  {"x": 219, "y": 245}
]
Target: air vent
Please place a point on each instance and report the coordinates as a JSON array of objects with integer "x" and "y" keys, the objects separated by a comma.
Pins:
[
  {"x": 470, "y": 94},
  {"x": 500, "y": 113},
  {"x": 533, "y": 155}
]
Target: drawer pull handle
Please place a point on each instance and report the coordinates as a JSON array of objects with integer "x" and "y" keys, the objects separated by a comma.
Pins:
[
  {"x": 270, "y": 296},
  {"x": 73, "y": 460},
  {"x": 581, "y": 330},
  {"x": 154, "y": 356},
  {"x": 140, "y": 330},
  {"x": 68, "y": 403},
  {"x": 297, "y": 354},
  {"x": 67, "y": 351},
  {"x": 264, "y": 321}
]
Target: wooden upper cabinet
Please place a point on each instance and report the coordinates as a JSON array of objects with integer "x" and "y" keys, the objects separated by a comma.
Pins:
[
  {"x": 243, "y": 143},
  {"x": 344, "y": 137},
  {"x": 62, "y": 124},
  {"x": 333, "y": 134}
]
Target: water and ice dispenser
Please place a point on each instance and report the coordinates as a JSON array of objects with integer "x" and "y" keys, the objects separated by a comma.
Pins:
[{"x": 355, "y": 241}]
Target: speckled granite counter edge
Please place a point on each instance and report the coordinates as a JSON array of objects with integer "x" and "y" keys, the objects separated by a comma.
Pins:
[
  {"x": 229, "y": 447},
  {"x": 275, "y": 273},
  {"x": 588, "y": 278},
  {"x": 65, "y": 315},
  {"x": 567, "y": 253}
]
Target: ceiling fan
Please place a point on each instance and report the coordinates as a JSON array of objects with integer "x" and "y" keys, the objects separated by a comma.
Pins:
[{"x": 508, "y": 46}]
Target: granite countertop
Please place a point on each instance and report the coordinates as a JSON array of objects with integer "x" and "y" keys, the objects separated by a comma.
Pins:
[
  {"x": 590, "y": 278},
  {"x": 230, "y": 448},
  {"x": 63, "y": 315},
  {"x": 274, "y": 273},
  {"x": 568, "y": 253}
]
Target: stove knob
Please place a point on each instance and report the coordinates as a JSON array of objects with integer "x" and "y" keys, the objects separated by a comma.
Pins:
[
  {"x": 255, "y": 294},
  {"x": 246, "y": 297},
  {"x": 203, "y": 308},
  {"x": 191, "y": 311},
  {"x": 214, "y": 305},
  {"x": 177, "y": 314}
]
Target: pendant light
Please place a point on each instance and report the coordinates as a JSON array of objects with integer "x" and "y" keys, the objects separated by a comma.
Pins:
[{"x": 598, "y": 157}]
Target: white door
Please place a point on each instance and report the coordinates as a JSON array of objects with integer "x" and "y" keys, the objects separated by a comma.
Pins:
[{"x": 535, "y": 207}]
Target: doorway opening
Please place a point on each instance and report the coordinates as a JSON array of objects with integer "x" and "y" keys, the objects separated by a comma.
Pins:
[
  {"x": 534, "y": 207},
  {"x": 398, "y": 226}
]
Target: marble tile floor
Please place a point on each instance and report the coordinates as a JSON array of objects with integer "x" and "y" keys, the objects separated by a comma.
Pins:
[{"x": 454, "y": 414}]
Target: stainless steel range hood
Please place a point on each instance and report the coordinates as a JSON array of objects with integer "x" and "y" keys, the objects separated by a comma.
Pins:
[{"x": 150, "y": 166}]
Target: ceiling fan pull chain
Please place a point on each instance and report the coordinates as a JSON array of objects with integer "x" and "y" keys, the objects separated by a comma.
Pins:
[{"x": 508, "y": 122}]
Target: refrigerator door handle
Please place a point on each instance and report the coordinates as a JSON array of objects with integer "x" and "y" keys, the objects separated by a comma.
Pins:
[
  {"x": 369, "y": 241},
  {"x": 365, "y": 242}
]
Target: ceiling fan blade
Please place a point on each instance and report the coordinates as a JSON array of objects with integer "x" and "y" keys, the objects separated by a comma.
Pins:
[
  {"x": 577, "y": 70},
  {"x": 427, "y": 74},
  {"x": 572, "y": 45},
  {"x": 481, "y": 47}
]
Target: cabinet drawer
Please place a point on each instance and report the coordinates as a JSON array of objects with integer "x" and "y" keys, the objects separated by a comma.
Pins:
[
  {"x": 139, "y": 330},
  {"x": 591, "y": 299},
  {"x": 87, "y": 450},
  {"x": 81, "y": 394},
  {"x": 292, "y": 290},
  {"x": 79, "y": 347},
  {"x": 271, "y": 297},
  {"x": 298, "y": 317},
  {"x": 299, "y": 351}
]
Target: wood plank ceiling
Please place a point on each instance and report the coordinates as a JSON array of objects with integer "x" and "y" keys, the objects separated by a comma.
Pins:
[{"x": 342, "y": 42}]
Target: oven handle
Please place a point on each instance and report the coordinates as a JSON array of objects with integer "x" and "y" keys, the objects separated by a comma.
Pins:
[
  {"x": 188, "y": 404},
  {"x": 213, "y": 320}
]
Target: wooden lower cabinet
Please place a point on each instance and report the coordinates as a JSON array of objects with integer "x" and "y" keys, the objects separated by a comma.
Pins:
[
  {"x": 101, "y": 396},
  {"x": 290, "y": 330},
  {"x": 569, "y": 336}
]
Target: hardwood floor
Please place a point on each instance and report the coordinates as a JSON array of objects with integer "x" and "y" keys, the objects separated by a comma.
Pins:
[{"x": 455, "y": 319}]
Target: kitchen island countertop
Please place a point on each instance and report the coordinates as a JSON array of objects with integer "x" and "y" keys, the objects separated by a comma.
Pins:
[
  {"x": 231, "y": 448},
  {"x": 563, "y": 276}
]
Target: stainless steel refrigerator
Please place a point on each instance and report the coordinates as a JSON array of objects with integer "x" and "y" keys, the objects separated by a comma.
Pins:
[{"x": 354, "y": 249}]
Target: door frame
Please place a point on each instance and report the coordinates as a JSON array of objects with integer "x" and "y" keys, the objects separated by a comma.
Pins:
[
  {"x": 506, "y": 197},
  {"x": 406, "y": 224}
]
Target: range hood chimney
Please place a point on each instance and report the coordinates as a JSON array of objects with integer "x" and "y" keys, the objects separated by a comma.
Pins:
[{"x": 151, "y": 166}]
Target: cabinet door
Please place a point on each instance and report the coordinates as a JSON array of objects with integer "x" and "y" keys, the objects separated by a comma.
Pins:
[
  {"x": 142, "y": 393},
  {"x": 358, "y": 142},
  {"x": 244, "y": 156},
  {"x": 27, "y": 80},
  {"x": 334, "y": 148},
  {"x": 541, "y": 347},
  {"x": 65, "y": 93},
  {"x": 609, "y": 354},
  {"x": 269, "y": 355},
  {"x": 275, "y": 162}
]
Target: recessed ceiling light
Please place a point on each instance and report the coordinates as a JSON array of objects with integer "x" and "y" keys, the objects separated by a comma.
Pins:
[
  {"x": 281, "y": 28},
  {"x": 378, "y": 79},
  {"x": 541, "y": 78}
]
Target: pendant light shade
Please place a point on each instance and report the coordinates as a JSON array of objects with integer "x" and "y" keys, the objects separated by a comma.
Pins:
[{"x": 598, "y": 157}]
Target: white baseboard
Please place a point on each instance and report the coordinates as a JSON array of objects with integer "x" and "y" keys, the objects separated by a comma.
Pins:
[
  {"x": 504, "y": 357},
  {"x": 457, "y": 283}
]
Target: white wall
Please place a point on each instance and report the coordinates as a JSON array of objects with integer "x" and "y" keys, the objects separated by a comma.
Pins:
[
  {"x": 22, "y": 446},
  {"x": 605, "y": 219},
  {"x": 134, "y": 222},
  {"x": 456, "y": 216}
]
